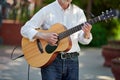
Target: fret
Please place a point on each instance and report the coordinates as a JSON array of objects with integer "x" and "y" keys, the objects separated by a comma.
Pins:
[
  {"x": 94, "y": 20},
  {"x": 70, "y": 31},
  {"x": 103, "y": 17},
  {"x": 77, "y": 28}
]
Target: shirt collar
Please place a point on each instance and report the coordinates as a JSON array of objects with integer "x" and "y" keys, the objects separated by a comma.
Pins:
[{"x": 59, "y": 6}]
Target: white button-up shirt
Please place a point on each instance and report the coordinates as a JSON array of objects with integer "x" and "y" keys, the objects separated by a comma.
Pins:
[{"x": 52, "y": 14}]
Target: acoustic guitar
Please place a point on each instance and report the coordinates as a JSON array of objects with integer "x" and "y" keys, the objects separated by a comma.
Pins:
[{"x": 40, "y": 53}]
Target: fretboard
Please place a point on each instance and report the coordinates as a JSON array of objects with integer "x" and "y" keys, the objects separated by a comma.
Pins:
[{"x": 77, "y": 28}]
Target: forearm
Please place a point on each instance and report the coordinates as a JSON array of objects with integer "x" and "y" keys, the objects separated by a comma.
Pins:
[
  {"x": 87, "y": 35},
  {"x": 39, "y": 35},
  {"x": 84, "y": 39}
]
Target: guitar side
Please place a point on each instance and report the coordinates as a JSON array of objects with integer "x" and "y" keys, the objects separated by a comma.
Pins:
[{"x": 32, "y": 53}]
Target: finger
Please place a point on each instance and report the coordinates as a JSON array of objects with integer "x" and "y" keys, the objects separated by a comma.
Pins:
[
  {"x": 87, "y": 28},
  {"x": 54, "y": 43},
  {"x": 84, "y": 28},
  {"x": 89, "y": 25},
  {"x": 55, "y": 34},
  {"x": 55, "y": 37}
]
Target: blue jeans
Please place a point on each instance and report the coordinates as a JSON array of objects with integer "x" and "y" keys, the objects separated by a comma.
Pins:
[{"x": 61, "y": 69}]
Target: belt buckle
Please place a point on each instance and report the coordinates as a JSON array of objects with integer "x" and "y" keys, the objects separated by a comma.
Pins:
[{"x": 62, "y": 54}]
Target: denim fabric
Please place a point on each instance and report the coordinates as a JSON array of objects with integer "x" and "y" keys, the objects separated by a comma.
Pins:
[{"x": 61, "y": 69}]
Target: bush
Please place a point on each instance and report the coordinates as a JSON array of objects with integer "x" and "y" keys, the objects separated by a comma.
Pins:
[
  {"x": 116, "y": 30},
  {"x": 99, "y": 34}
]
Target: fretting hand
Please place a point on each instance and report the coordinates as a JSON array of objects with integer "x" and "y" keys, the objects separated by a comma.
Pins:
[{"x": 87, "y": 29}]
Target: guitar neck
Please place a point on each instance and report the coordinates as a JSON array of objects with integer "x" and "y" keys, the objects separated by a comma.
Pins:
[
  {"x": 102, "y": 17},
  {"x": 77, "y": 28}
]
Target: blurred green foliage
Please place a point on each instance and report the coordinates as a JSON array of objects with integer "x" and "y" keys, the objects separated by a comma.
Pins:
[
  {"x": 116, "y": 30},
  {"x": 102, "y": 31},
  {"x": 99, "y": 35}
]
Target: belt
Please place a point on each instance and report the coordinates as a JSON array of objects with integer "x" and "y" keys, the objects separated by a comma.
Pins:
[{"x": 64, "y": 55}]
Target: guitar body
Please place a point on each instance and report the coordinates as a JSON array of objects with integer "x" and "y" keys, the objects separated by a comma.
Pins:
[{"x": 35, "y": 57}]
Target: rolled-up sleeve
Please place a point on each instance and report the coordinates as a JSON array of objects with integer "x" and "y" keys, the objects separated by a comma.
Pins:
[
  {"x": 82, "y": 19},
  {"x": 83, "y": 40},
  {"x": 28, "y": 30}
]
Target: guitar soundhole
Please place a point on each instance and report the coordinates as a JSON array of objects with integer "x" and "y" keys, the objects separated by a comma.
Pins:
[{"x": 49, "y": 49}]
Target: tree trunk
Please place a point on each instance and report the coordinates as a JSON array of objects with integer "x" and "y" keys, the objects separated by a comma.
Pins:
[
  {"x": 38, "y": 2},
  {"x": 89, "y": 7}
]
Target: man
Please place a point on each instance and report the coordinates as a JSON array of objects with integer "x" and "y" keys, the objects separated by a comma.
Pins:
[{"x": 69, "y": 15}]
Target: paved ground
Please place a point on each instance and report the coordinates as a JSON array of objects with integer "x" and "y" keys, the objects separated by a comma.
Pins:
[{"x": 91, "y": 66}]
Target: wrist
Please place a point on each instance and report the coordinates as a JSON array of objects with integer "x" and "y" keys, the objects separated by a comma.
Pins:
[
  {"x": 87, "y": 36},
  {"x": 38, "y": 35}
]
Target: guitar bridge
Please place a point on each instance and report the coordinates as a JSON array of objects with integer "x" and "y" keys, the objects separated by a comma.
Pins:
[{"x": 39, "y": 46}]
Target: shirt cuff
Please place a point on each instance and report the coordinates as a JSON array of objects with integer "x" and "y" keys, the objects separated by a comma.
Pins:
[
  {"x": 87, "y": 40},
  {"x": 31, "y": 35},
  {"x": 84, "y": 40}
]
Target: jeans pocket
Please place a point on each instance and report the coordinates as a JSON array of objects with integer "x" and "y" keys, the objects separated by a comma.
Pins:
[{"x": 75, "y": 59}]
